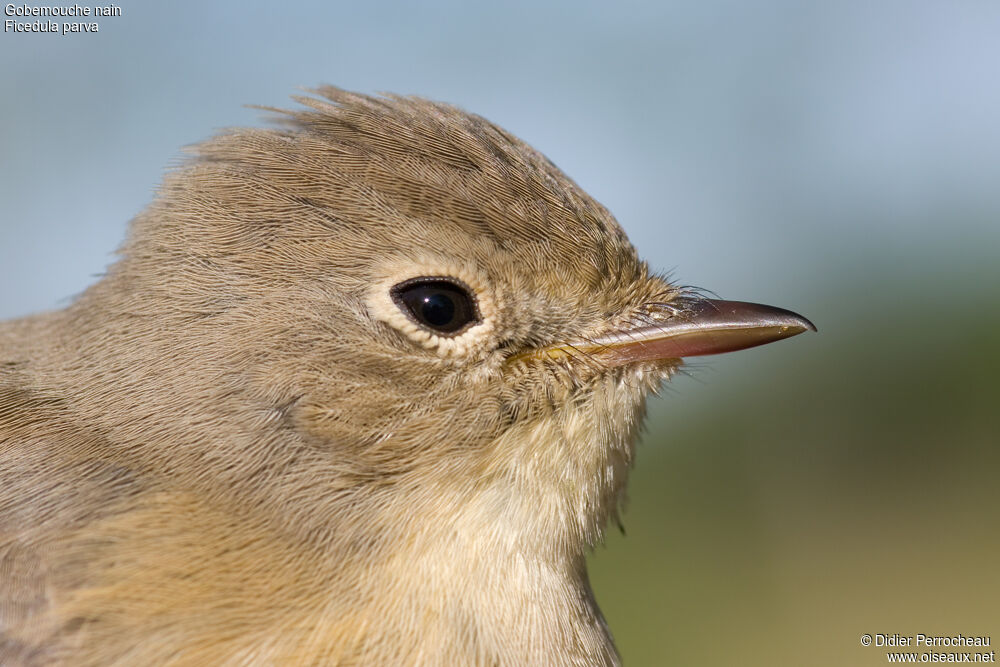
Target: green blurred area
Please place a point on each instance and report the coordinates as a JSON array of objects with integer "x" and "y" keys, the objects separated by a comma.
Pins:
[{"x": 840, "y": 483}]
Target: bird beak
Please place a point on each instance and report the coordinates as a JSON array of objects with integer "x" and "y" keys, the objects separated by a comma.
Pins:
[{"x": 697, "y": 327}]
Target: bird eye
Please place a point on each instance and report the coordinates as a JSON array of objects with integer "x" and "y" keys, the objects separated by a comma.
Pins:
[{"x": 443, "y": 305}]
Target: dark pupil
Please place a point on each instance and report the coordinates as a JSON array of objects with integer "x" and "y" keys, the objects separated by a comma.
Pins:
[
  {"x": 438, "y": 309},
  {"x": 438, "y": 304}
]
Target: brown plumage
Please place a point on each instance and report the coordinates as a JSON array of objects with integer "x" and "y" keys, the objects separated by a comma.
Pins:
[{"x": 240, "y": 447}]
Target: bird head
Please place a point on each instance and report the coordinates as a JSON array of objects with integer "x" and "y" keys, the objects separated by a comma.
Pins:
[{"x": 391, "y": 298}]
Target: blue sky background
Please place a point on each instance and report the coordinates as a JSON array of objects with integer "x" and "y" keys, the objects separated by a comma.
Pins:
[{"x": 755, "y": 148}]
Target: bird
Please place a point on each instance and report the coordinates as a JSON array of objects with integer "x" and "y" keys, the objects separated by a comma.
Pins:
[{"x": 362, "y": 387}]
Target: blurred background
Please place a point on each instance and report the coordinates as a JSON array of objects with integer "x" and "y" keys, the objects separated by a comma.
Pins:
[{"x": 839, "y": 159}]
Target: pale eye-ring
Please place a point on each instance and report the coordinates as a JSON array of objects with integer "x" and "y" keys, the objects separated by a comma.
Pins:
[{"x": 443, "y": 305}]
